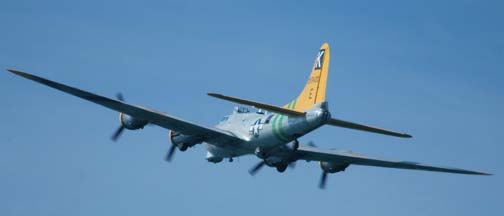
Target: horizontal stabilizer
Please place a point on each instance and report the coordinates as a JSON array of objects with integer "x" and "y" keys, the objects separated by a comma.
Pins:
[
  {"x": 272, "y": 108},
  {"x": 350, "y": 125}
]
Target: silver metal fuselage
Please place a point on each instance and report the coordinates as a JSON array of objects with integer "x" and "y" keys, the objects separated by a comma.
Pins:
[{"x": 264, "y": 131}]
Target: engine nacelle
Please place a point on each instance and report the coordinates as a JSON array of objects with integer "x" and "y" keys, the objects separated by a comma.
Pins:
[
  {"x": 130, "y": 122},
  {"x": 333, "y": 167},
  {"x": 183, "y": 141}
]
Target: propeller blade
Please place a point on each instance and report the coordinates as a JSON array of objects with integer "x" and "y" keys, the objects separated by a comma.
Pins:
[
  {"x": 323, "y": 180},
  {"x": 170, "y": 153},
  {"x": 117, "y": 133},
  {"x": 256, "y": 168},
  {"x": 120, "y": 96}
]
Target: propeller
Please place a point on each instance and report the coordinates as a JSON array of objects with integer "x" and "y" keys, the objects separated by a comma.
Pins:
[
  {"x": 117, "y": 133},
  {"x": 170, "y": 153},
  {"x": 257, "y": 167},
  {"x": 120, "y": 129},
  {"x": 323, "y": 177},
  {"x": 323, "y": 180}
]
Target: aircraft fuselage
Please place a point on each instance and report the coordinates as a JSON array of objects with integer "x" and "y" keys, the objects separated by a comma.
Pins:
[{"x": 263, "y": 131}]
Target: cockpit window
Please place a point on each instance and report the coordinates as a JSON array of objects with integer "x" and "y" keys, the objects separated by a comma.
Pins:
[
  {"x": 260, "y": 111},
  {"x": 225, "y": 118},
  {"x": 241, "y": 110},
  {"x": 268, "y": 119}
]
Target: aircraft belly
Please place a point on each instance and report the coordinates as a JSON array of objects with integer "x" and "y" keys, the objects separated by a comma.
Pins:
[{"x": 228, "y": 151}]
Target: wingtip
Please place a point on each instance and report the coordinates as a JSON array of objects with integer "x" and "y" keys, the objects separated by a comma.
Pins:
[
  {"x": 211, "y": 94},
  {"x": 478, "y": 173},
  {"x": 12, "y": 70},
  {"x": 485, "y": 174},
  {"x": 407, "y": 136},
  {"x": 20, "y": 73}
]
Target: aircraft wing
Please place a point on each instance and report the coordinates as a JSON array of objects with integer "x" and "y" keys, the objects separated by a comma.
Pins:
[
  {"x": 154, "y": 117},
  {"x": 259, "y": 105},
  {"x": 315, "y": 154}
]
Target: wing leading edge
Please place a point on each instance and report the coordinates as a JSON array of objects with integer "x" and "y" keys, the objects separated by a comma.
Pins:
[
  {"x": 259, "y": 105},
  {"x": 155, "y": 117},
  {"x": 316, "y": 154}
]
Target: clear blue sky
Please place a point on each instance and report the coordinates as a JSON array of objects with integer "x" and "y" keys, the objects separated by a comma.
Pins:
[{"x": 430, "y": 68}]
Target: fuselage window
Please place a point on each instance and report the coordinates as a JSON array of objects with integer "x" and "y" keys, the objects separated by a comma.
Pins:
[{"x": 242, "y": 110}]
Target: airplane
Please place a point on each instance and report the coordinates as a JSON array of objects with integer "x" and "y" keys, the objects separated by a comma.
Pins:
[{"x": 271, "y": 132}]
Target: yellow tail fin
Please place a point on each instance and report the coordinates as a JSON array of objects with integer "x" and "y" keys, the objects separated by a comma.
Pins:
[{"x": 315, "y": 89}]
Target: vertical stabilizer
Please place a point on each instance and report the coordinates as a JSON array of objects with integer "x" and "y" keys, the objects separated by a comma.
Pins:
[{"x": 315, "y": 88}]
